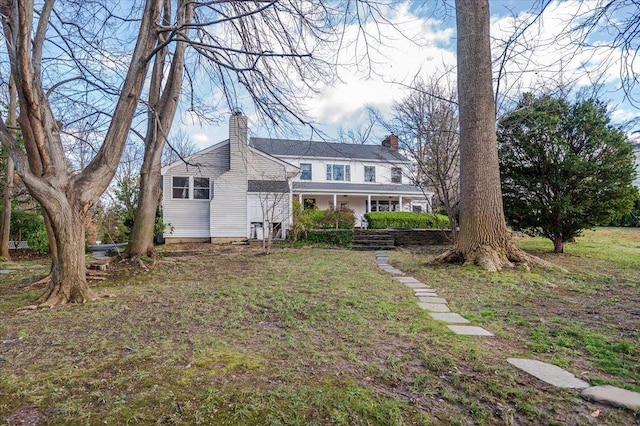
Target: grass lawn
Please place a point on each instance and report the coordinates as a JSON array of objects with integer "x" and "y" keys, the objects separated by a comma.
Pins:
[{"x": 223, "y": 335}]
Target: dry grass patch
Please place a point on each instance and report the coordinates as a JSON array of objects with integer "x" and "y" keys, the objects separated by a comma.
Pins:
[{"x": 223, "y": 335}]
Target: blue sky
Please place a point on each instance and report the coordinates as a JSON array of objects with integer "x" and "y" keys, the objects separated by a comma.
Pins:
[{"x": 427, "y": 47}]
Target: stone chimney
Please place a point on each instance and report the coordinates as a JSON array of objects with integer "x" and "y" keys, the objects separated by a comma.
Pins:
[
  {"x": 238, "y": 141},
  {"x": 391, "y": 142}
]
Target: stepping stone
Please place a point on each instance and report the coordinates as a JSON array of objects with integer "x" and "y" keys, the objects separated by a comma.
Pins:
[
  {"x": 612, "y": 395},
  {"x": 381, "y": 253},
  {"x": 7, "y": 271},
  {"x": 405, "y": 280},
  {"x": 434, "y": 307},
  {"x": 393, "y": 271},
  {"x": 449, "y": 317},
  {"x": 469, "y": 330},
  {"x": 426, "y": 291},
  {"x": 417, "y": 286},
  {"x": 432, "y": 299},
  {"x": 549, "y": 373}
]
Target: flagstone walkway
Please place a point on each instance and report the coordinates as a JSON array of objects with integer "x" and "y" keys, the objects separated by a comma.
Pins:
[
  {"x": 439, "y": 310},
  {"x": 428, "y": 300}
]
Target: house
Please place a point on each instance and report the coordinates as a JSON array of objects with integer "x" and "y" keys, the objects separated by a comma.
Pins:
[
  {"x": 233, "y": 189},
  {"x": 636, "y": 152}
]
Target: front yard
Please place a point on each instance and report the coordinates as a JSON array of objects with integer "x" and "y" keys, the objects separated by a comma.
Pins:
[{"x": 224, "y": 335}]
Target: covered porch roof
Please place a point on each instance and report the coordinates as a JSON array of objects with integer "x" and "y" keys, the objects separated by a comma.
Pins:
[{"x": 359, "y": 188}]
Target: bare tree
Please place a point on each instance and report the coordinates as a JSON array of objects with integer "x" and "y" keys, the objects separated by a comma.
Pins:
[
  {"x": 164, "y": 92},
  {"x": 65, "y": 198},
  {"x": 178, "y": 147},
  {"x": 7, "y": 194},
  {"x": 483, "y": 239},
  {"x": 362, "y": 132},
  {"x": 620, "y": 20},
  {"x": 426, "y": 122}
]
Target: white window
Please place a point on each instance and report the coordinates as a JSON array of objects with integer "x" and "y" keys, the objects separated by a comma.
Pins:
[
  {"x": 339, "y": 172},
  {"x": 201, "y": 188},
  {"x": 306, "y": 171},
  {"x": 180, "y": 187},
  {"x": 369, "y": 173},
  {"x": 190, "y": 188},
  {"x": 396, "y": 175}
]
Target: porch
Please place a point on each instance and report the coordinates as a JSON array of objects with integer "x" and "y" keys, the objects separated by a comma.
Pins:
[{"x": 361, "y": 198}]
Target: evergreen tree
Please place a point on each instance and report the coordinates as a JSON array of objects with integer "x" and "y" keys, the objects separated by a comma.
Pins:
[{"x": 564, "y": 167}]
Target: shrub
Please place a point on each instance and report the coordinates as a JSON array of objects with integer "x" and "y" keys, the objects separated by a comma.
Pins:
[
  {"x": 29, "y": 226},
  {"x": 331, "y": 237},
  {"x": 385, "y": 220}
]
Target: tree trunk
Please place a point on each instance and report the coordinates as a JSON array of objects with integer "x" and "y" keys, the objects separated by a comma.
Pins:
[
  {"x": 483, "y": 239},
  {"x": 68, "y": 280},
  {"x": 162, "y": 103},
  {"x": 7, "y": 194},
  {"x": 5, "y": 225},
  {"x": 141, "y": 238},
  {"x": 558, "y": 244}
]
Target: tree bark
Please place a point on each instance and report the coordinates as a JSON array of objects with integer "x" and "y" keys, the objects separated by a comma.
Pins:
[
  {"x": 68, "y": 281},
  {"x": 558, "y": 244},
  {"x": 7, "y": 194},
  {"x": 483, "y": 239},
  {"x": 163, "y": 103}
]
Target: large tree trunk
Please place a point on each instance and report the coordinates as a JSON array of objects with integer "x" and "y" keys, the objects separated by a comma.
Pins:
[
  {"x": 483, "y": 239},
  {"x": 142, "y": 233},
  {"x": 163, "y": 102},
  {"x": 68, "y": 279}
]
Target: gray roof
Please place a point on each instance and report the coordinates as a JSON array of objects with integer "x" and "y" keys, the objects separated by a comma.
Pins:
[
  {"x": 300, "y": 148},
  {"x": 268, "y": 186},
  {"x": 389, "y": 189}
]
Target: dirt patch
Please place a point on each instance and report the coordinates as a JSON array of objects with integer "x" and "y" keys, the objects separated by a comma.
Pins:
[{"x": 25, "y": 415}]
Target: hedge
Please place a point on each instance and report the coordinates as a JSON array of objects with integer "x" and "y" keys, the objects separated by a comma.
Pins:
[
  {"x": 331, "y": 237},
  {"x": 406, "y": 220}
]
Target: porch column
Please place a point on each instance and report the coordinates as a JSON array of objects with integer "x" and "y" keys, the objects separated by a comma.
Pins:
[
  {"x": 369, "y": 203},
  {"x": 400, "y": 203},
  {"x": 335, "y": 201}
]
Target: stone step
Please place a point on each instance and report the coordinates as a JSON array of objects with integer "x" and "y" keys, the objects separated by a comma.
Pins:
[{"x": 371, "y": 247}]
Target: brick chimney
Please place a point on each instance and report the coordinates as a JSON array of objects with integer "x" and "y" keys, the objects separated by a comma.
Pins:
[{"x": 391, "y": 142}]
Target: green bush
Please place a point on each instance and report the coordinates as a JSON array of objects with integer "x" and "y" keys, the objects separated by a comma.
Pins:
[
  {"x": 404, "y": 220},
  {"x": 323, "y": 219},
  {"x": 29, "y": 226},
  {"x": 631, "y": 219},
  {"x": 330, "y": 237}
]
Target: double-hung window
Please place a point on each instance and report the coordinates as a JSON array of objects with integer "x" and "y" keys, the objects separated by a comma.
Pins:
[
  {"x": 201, "y": 188},
  {"x": 369, "y": 173},
  {"x": 180, "y": 187},
  {"x": 396, "y": 175},
  {"x": 305, "y": 169},
  {"x": 339, "y": 172},
  {"x": 190, "y": 188}
]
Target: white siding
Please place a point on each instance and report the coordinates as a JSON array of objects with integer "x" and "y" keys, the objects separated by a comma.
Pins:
[
  {"x": 261, "y": 167},
  {"x": 190, "y": 218},
  {"x": 636, "y": 182},
  {"x": 383, "y": 170},
  {"x": 228, "y": 217}
]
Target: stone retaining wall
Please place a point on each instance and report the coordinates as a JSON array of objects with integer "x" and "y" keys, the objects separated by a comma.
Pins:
[{"x": 420, "y": 237}]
